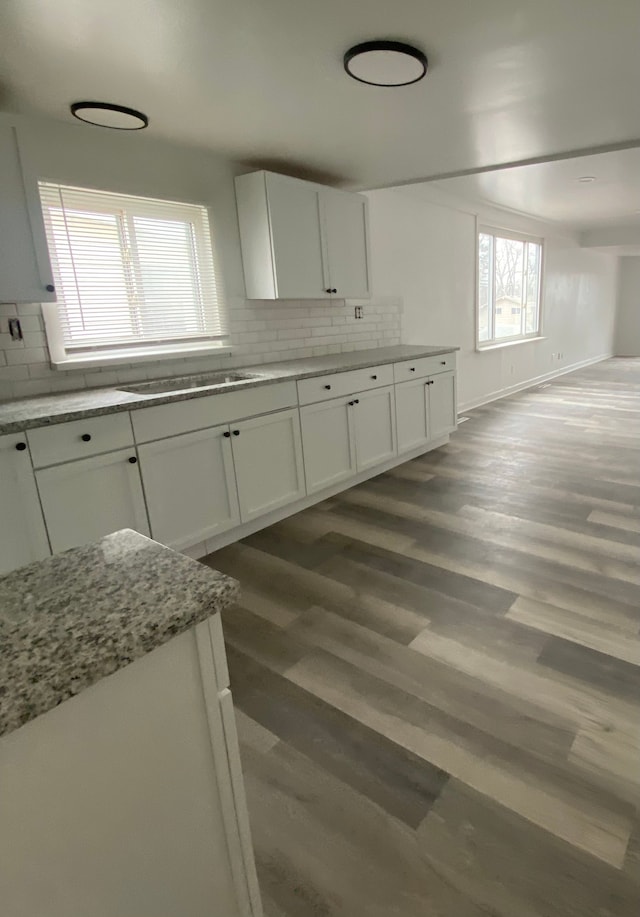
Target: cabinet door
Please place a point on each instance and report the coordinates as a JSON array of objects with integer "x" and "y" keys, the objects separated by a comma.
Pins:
[
  {"x": 442, "y": 404},
  {"x": 190, "y": 486},
  {"x": 328, "y": 442},
  {"x": 346, "y": 226},
  {"x": 296, "y": 239},
  {"x": 412, "y": 400},
  {"x": 267, "y": 455},
  {"x": 25, "y": 271},
  {"x": 374, "y": 416},
  {"x": 23, "y": 537},
  {"x": 85, "y": 500}
]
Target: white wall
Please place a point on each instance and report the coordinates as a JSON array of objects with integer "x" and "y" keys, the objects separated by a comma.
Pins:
[
  {"x": 423, "y": 248},
  {"x": 86, "y": 156},
  {"x": 627, "y": 340}
]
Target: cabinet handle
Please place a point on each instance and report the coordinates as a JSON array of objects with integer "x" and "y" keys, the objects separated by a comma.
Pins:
[
  {"x": 21, "y": 447},
  {"x": 331, "y": 290},
  {"x": 86, "y": 437},
  {"x": 133, "y": 460},
  {"x": 50, "y": 288},
  {"x": 356, "y": 401},
  {"x": 430, "y": 382},
  {"x": 412, "y": 369},
  {"x": 327, "y": 387},
  {"x": 236, "y": 432},
  {"x": 443, "y": 362},
  {"x": 374, "y": 377},
  {"x": 351, "y": 403},
  {"x": 227, "y": 434}
]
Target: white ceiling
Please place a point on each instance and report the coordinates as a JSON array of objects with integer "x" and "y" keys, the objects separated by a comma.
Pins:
[
  {"x": 551, "y": 190},
  {"x": 262, "y": 80}
]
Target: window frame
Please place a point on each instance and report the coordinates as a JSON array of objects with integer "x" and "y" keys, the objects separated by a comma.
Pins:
[
  {"x": 537, "y": 335},
  {"x": 65, "y": 355}
]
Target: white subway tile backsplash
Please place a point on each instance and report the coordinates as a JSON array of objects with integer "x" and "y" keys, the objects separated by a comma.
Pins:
[{"x": 260, "y": 332}]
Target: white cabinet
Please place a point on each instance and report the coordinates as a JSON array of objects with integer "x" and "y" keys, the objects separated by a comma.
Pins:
[
  {"x": 190, "y": 486},
  {"x": 346, "y": 232},
  {"x": 347, "y": 435},
  {"x": 328, "y": 442},
  {"x": 25, "y": 270},
  {"x": 375, "y": 427},
  {"x": 267, "y": 456},
  {"x": 412, "y": 412},
  {"x": 23, "y": 537},
  {"x": 301, "y": 240},
  {"x": 442, "y": 404},
  {"x": 128, "y": 800},
  {"x": 84, "y": 500}
]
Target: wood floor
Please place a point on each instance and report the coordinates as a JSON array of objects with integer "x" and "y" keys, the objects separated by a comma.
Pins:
[{"x": 436, "y": 673}]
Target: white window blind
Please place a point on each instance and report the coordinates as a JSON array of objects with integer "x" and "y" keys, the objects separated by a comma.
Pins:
[{"x": 130, "y": 272}]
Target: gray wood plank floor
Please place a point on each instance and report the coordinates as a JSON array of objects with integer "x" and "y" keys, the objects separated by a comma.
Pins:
[{"x": 437, "y": 673}]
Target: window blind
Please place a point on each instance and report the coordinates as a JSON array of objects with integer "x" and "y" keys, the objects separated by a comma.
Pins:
[{"x": 130, "y": 271}]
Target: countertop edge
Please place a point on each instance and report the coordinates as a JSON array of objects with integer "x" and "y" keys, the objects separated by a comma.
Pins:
[{"x": 130, "y": 401}]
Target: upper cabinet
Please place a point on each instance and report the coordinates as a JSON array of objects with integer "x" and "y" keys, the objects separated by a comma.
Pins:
[
  {"x": 301, "y": 240},
  {"x": 25, "y": 270}
]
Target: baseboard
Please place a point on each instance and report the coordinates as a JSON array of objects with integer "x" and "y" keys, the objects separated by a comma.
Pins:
[{"x": 530, "y": 383}]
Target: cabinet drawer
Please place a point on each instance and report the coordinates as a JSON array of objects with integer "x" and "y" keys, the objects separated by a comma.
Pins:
[
  {"x": 65, "y": 442},
  {"x": 423, "y": 366},
  {"x": 322, "y": 388},
  {"x": 211, "y": 410}
]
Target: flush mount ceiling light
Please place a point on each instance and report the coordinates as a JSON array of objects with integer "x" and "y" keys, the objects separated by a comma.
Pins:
[
  {"x": 585, "y": 179},
  {"x": 385, "y": 63},
  {"x": 104, "y": 114}
]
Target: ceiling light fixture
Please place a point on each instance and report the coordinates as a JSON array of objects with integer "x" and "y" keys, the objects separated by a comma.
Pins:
[
  {"x": 104, "y": 114},
  {"x": 585, "y": 179},
  {"x": 385, "y": 63}
]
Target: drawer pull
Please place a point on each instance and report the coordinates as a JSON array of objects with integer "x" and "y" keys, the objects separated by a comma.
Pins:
[
  {"x": 21, "y": 447},
  {"x": 430, "y": 382},
  {"x": 374, "y": 377},
  {"x": 412, "y": 369},
  {"x": 443, "y": 362},
  {"x": 327, "y": 387},
  {"x": 133, "y": 460},
  {"x": 86, "y": 437},
  {"x": 50, "y": 288}
]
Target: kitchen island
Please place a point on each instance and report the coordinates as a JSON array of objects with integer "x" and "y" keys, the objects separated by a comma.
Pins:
[{"x": 121, "y": 792}]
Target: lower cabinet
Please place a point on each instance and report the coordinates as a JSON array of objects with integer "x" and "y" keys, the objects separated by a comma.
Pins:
[
  {"x": 425, "y": 410},
  {"x": 412, "y": 414},
  {"x": 23, "y": 537},
  {"x": 347, "y": 435},
  {"x": 84, "y": 500},
  {"x": 329, "y": 443},
  {"x": 267, "y": 456},
  {"x": 374, "y": 416},
  {"x": 442, "y": 404},
  {"x": 190, "y": 486}
]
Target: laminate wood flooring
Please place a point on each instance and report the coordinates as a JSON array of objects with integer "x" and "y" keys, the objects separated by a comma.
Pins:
[{"x": 437, "y": 673}]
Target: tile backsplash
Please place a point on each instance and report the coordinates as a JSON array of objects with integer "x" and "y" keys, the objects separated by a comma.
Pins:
[{"x": 260, "y": 332}]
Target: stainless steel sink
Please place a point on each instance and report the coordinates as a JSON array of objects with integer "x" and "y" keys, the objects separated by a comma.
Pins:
[{"x": 185, "y": 383}]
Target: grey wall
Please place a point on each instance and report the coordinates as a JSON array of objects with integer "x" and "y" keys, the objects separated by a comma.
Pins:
[{"x": 627, "y": 340}]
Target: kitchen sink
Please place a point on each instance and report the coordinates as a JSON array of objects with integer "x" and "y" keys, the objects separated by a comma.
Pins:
[{"x": 185, "y": 383}]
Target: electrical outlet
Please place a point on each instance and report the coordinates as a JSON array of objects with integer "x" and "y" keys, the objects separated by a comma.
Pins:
[{"x": 359, "y": 312}]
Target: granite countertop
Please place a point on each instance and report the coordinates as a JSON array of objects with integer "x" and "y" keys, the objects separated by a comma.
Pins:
[
  {"x": 26, "y": 413},
  {"x": 70, "y": 620}
]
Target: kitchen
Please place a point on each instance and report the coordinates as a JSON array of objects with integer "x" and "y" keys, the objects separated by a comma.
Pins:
[{"x": 302, "y": 436}]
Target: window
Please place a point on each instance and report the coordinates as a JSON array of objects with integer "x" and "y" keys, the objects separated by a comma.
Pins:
[
  {"x": 509, "y": 271},
  {"x": 134, "y": 276}
]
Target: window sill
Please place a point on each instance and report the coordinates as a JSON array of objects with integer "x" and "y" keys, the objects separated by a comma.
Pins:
[
  {"x": 480, "y": 348},
  {"x": 120, "y": 357}
]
